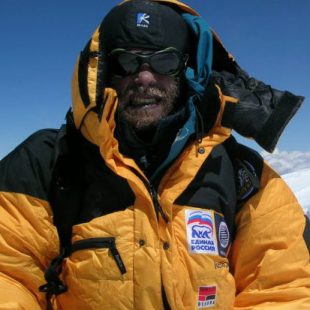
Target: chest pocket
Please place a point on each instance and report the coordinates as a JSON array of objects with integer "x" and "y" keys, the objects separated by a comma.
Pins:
[{"x": 100, "y": 243}]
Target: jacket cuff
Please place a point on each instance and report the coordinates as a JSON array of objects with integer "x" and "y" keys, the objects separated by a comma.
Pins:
[
  {"x": 228, "y": 114},
  {"x": 270, "y": 133}
]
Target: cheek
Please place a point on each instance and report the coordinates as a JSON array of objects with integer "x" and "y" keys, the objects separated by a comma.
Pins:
[
  {"x": 167, "y": 82},
  {"x": 120, "y": 84}
]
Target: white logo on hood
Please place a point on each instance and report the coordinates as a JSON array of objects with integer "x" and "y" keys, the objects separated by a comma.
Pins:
[{"x": 143, "y": 20}]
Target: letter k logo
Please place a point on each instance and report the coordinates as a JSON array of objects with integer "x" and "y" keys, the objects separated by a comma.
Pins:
[{"x": 143, "y": 20}]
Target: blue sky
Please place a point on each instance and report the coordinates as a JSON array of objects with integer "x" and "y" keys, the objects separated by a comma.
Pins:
[{"x": 40, "y": 41}]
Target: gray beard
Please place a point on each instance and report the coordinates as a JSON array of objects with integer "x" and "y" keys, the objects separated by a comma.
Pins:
[{"x": 142, "y": 120}]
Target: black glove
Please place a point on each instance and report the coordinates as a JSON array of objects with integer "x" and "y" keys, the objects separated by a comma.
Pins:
[{"x": 262, "y": 112}]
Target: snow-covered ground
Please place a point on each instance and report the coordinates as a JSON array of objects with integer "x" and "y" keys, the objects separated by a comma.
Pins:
[{"x": 295, "y": 169}]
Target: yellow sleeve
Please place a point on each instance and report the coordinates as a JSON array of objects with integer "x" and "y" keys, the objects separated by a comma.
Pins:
[
  {"x": 270, "y": 257},
  {"x": 15, "y": 296},
  {"x": 28, "y": 241}
]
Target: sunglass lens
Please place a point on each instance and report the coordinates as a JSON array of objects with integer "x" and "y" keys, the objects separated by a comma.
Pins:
[
  {"x": 124, "y": 63},
  {"x": 127, "y": 63},
  {"x": 165, "y": 63}
]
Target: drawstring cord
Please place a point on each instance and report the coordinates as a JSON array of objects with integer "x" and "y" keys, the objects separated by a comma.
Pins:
[{"x": 199, "y": 127}]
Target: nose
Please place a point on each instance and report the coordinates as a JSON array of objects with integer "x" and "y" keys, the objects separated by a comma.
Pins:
[{"x": 145, "y": 76}]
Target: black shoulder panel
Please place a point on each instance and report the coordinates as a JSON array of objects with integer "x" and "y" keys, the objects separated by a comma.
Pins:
[
  {"x": 214, "y": 186},
  {"x": 82, "y": 186},
  {"x": 104, "y": 191},
  {"x": 248, "y": 165},
  {"x": 229, "y": 176},
  {"x": 28, "y": 169}
]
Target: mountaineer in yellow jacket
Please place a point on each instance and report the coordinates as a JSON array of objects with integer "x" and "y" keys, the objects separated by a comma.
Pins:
[{"x": 144, "y": 200}]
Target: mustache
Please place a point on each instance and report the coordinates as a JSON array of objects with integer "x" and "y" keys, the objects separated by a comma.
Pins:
[{"x": 137, "y": 90}]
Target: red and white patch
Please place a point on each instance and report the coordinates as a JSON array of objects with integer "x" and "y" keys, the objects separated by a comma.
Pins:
[{"x": 206, "y": 296}]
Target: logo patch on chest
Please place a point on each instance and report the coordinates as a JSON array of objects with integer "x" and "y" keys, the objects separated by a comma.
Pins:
[
  {"x": 201, "y": 232},
  {"x": 206, "y": 296}
]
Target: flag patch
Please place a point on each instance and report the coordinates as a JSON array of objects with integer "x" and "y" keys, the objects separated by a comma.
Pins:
[
  {"x": 201, "y": 232},
  {"x": 206, "y": 296}
]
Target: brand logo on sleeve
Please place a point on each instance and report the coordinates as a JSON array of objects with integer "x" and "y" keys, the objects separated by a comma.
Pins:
[
  {"x": 201, "y": 232},
  {"x": 245, "y": 186},
  {"x": 206, "y": 296},
  {"x": 143, "y": 20},
  {"x": 224, "y": 235}
]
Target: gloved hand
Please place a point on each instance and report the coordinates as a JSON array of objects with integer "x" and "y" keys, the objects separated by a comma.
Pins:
[{"x": 262, "y": 112}]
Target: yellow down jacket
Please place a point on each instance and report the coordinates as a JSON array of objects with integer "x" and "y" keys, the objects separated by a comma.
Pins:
[{"x": 196, "y": 241}]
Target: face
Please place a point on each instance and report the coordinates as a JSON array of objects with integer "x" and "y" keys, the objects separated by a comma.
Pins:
[{"x": 146, "y": 97}]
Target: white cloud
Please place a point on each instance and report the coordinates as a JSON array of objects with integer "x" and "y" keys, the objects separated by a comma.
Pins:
[
  {"x": 299, "y": 182},
  {"x": 286, "y": 162}
]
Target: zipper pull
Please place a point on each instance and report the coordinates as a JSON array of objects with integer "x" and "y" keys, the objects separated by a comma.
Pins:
[
  {"x": 117, "y": 258},
  {"x": 157, "y": 206},
  {"x": 144, "y": 163}
]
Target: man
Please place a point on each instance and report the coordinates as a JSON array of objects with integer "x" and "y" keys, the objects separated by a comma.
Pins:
[{"x": 144, "y": 200}]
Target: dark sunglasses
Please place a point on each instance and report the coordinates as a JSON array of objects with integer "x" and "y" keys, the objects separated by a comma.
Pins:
[{"x": 168, "y": 61}]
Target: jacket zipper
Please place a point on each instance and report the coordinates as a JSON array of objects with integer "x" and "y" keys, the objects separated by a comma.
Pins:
[
  {"x": 100, "y": 243},
  {"x": 156, "y": 203},
  {"x": 160, "y": 211},
  {"x": 154, "y": 196}
]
